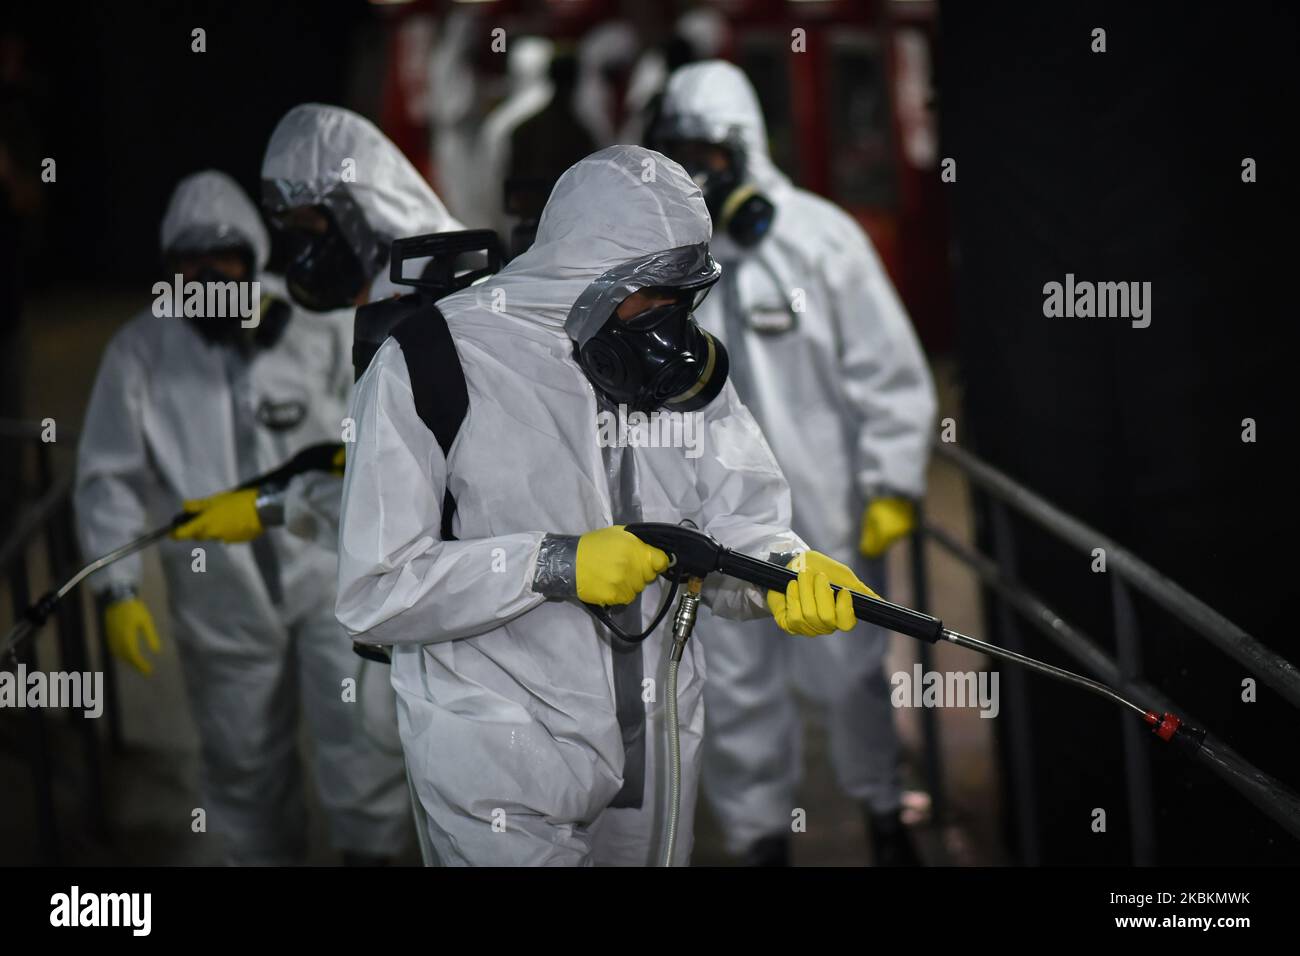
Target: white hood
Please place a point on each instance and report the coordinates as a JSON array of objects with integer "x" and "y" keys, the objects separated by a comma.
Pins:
[
  {"x": 619, "y": 206},
  {"x": 305, "y": 161},
  {"x": 208, "y": 210},
  {"x": 705, "y": 29},
  {"x": 714, "y": 100},
  {"x": 528, "y": 62}
]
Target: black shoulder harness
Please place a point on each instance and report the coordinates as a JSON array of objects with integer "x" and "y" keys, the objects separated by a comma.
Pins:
[{"x": 438, "y": 384}]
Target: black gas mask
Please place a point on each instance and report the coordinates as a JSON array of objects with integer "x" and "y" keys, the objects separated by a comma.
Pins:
[
  {"x": 659, "y": 359},
  {"x": 737, "y": 207},
  {"x": 325, "y": 274},
  {"x": 273, "y": 319},
  {"x": 228, "y": 331},
  {"x": 322, "y": 272},
  {"x": 324, "y": 244},
  {"x": 735, "y": 203}
]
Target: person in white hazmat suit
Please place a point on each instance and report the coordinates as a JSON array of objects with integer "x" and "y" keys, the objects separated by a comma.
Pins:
[
  {"x": 527, "y": 67},
  {"x": 533, "y": 734},
  {"x": 824, "y": 356},
  {"x": 453, "y": 98},
  {"x": 184, "y": 406},
  {"x": 340, "y": 192}
]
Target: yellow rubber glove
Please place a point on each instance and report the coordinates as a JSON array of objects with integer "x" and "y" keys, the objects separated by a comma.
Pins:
[
  {"x": 809, "y": 606},
  {"x": 125, "y": 623},
  {"x": 230, "y": 516},
  {"x": 614, "y": 566},
  {"x": 885, "y": 521}
]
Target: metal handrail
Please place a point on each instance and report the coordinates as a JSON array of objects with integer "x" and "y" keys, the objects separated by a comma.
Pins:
[
  {"x": 1272, "y": 668},
  {"x": 24, "y": 429},
  {"x": 1264, "y": 791},
  {"x": 50, "y": 517},
  {"x": 998, "y": 573},
  {"x": 34, "y": 518},
  {"x": 19, "y": 428}
]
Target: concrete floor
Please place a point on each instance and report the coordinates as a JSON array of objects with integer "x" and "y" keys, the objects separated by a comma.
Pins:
[{"x": 150, "y": 785}]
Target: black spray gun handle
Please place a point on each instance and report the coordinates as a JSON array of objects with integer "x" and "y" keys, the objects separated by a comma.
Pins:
[
  {"x": 886, "y": 614},
  {"x": 696, "y": 554}
]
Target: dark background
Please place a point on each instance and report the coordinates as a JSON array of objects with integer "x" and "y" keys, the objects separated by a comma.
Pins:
[
  {"x": 1127, "y": 166},
  {"x": 123, "y": 105}
]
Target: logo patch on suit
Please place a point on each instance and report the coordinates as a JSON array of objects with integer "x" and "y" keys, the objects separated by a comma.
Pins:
[
  {"x": 281, "y": 416},
  {"x": 771, "y": 319}
]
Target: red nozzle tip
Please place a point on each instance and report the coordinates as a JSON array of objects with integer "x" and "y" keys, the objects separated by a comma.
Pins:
[
  {"x": 1151, "y": 717},
  {"x": 1169, "y": 725}
]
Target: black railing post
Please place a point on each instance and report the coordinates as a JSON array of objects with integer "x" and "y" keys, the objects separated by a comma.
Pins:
[
  {"x": 1137, "y": 766},
  {"x": 1019, "y": 727},
  {"x": 933, "y": 756},
  {"x": 38, "y": 743},
  {"x": 75, "y": 658},
  {"x": 113, "y": 699}
]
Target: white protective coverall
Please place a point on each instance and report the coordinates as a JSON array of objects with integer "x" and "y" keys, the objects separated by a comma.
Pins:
[
  {"x": 610, "y": 46},
  {"x": 172, "y": 417},
  {"x": 507, "y": 702},
  {"x": 528, "y": 66},
  {"x": 317, "y": 155},
  {"x": 453, "y": 99},
  {"x": 823, "y": 354}
]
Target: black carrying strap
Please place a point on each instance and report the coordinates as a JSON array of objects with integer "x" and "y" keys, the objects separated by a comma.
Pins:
[{"x": 437, "y": 383}]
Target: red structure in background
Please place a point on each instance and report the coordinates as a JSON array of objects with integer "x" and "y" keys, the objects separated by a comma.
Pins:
[
  {"x": 403, "y": 115},
  {"x": 845, "y": 85},
  {"x": 846, "y": 88}
]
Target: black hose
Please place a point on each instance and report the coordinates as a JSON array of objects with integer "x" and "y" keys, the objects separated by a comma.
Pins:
[{"x": 602, "y": 614}]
